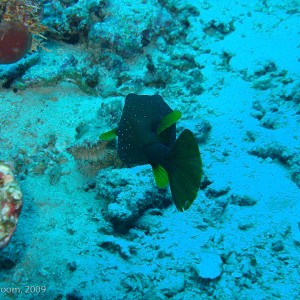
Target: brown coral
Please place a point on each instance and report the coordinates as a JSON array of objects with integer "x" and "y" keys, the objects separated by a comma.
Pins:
[
  {"x": 95, "y": 157},
  {"x": 26, "y": 12}
]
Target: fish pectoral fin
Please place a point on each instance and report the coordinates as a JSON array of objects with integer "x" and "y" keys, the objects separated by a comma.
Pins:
[
  {"x": 109, "y": 135},
  {"x": 160, "y": 176},
  {"x": 168, "y": 120}
]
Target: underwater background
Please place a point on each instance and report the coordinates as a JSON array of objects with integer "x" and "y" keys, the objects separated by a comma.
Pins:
[{"x": 91, "y": 228}]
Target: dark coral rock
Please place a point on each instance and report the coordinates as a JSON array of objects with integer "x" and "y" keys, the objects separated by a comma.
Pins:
[
  {"x": 219, "y": 29},
  {"x": 281, "y": 154},
  {"x": 6, "y": 263},
  {"x": 129, "y": 193},
  {"x": 69, "y": 21},
  {"x": 242, "y": 200},
  {"x": 217, "y": 189},
  {"x": 124, "y": 212},
  {"x": 201, "y": 129},
  {"x": 277, "y": 246},
  {"x": 146, "y": 37},
  {"x": 74, "y": 296},
  {"x": 11, "y": 73},
  {"x": 72, "y": 266}
]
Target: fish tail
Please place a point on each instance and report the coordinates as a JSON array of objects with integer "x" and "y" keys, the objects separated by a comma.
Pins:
[{"x": 184, "y": 168}]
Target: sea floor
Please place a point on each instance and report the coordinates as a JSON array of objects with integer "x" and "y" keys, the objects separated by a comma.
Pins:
[{"x": 241, "y": 237}]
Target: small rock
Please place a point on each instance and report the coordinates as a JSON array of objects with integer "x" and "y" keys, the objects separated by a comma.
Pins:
[
  {"x": 202, "y": 225},
  {"x": 54, "y": 174},
  {"x": 270, "y": 121},
  {"x": 172, "y": 285},
  {"x": 257, "y": 115},
  {"x": 90, "y": 185},
  {"x": 6, "y": 263},
  {"x": 262, "y": 83},
  {"x": 72, "y": 266},
  {"x": 153, "y": 295},
  {"x": 245, "y": 224},
  {"x": 222, "y": 202},
  {"x": 253, "y": 261},
  {"x": 123, "y": 247},
  {"x": 127, "y": 199},
  {"x": 296, "y": 238},
  {"x": 237, "y": 274},
  {"x": 217, "y": 189},
  {"x": 43, "y": 272},
  {"x": 17, "y": 277},
  {"x": 200, "y": 128},
  {"x": 242, "y": 200},
  {"x": 203, "y": 129},
  {"x": 218, "y": 238},
  {"x": 277, "y": 246},
  {"x": 74, "y": 296},
  {"x": 163, "y": 253},
  {"x": 285, "y": 230},
  {"x": 58, "y": 297},
  {"x": 210, "y": 266}
]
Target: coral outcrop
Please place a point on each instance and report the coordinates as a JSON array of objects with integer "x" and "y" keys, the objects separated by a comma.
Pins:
[{"x": 10, "y": 203}]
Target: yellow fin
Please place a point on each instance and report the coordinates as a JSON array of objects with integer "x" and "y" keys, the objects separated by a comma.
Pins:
[
  {"x": 109, "y": 135},
  {"x": 160, "y": 176},
  {"x": 168, "y": 121}
]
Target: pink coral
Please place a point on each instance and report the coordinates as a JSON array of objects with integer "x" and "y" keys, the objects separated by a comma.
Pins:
[{"x": 10, "y": 204}]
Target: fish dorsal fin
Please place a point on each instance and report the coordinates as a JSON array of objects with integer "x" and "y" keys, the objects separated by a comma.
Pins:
[
  {"x": 109, "y": 135},
  {"x": 168, "y": 120},
  {"x": 160, "y": 176}
]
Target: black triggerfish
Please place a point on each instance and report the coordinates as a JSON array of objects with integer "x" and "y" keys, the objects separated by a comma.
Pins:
[{"x": 147, "y": 135}]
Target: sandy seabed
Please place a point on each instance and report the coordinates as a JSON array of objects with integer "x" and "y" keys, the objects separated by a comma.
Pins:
[{"x": 241, "y": 237}]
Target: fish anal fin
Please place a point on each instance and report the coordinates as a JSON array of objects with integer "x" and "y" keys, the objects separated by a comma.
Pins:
[{"x": 160, "y": 176}]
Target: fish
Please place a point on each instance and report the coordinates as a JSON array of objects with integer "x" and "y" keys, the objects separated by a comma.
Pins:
[{"x": 147, "y": 135}]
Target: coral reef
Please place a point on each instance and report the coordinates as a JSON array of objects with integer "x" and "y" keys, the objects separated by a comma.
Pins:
[
  {"x": 10, "y": 204},
  {"x": 15, "y": 41},
  {"x": 19, "y": 20}
]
